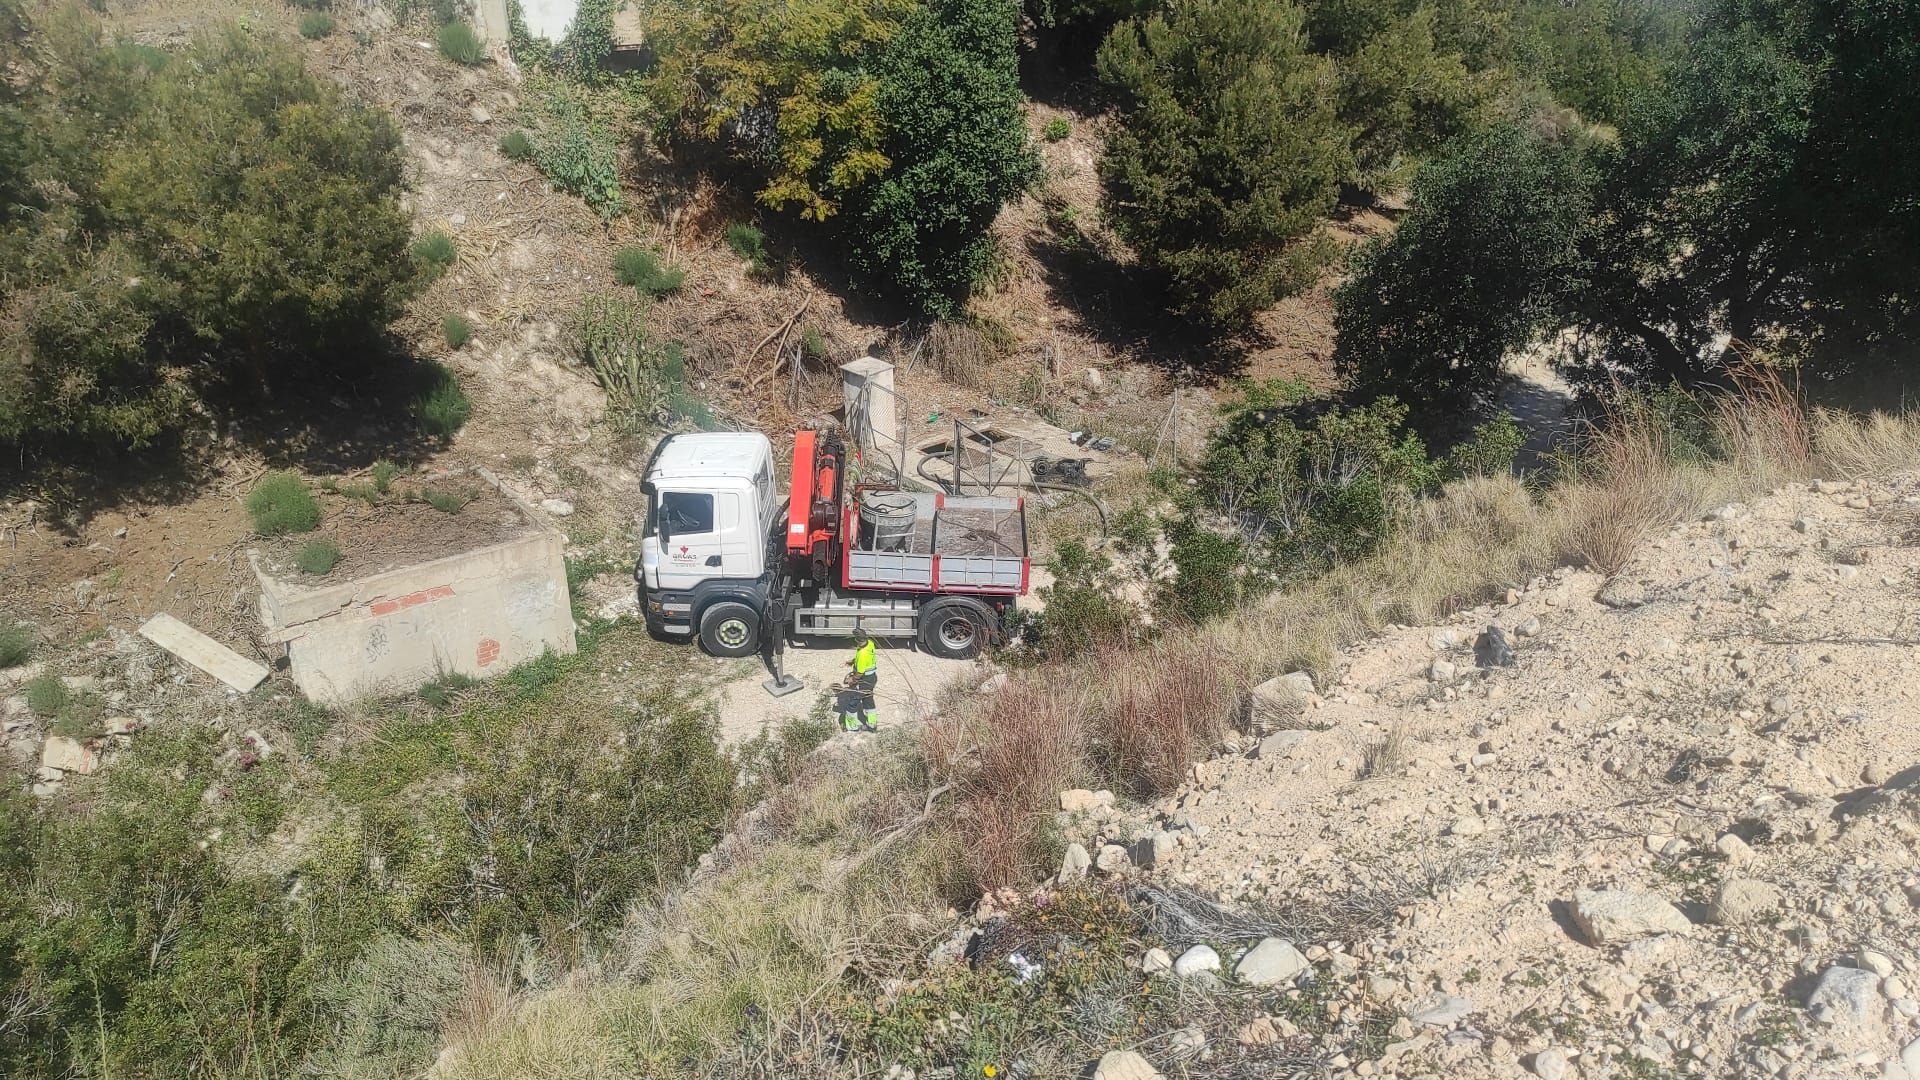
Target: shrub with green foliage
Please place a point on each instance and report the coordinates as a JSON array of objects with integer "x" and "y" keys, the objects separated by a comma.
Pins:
[
  {"x": 435, "y": 252},
  {"x": 1490, "y": 451},
  {"x": 222, "y": 219},
  {"x": 1228, "y": 152},
  {"x": 447, "y": 502},
  {"x": 958, "y": 150},
  {"x": 389, "y": 1004},
  {"x": 47, "y": 695},
  {"x": 460, "y": 44},
  {"x": 318, "y": 557},
  {"x": 1209, "y": 571},
  {"x": 1057, "y": 129},
  {"x": 516, "y": 146},
  {"x": 443, "y": 407},
  {"x": 316, "y": 24},
  {"x": 1082, "y": 609},
  {"x": 748, "y": 242},
  {"x": 1308, "y": 493},
  {"x": 281, "y": 503},
  {"x": 645, "y": 379},
  {"x": 16, "y": 642},
  {"x": 1477, "y": 269},
  {"x": 641, "y": 268},
  {"x": 457, "y": 330},
  {"x": 570, "y": 826},
  {"x": 573, "y": 142}
]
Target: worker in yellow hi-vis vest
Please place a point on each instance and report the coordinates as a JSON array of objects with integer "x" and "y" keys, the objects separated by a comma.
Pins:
[{"x": 858, "y": 712}]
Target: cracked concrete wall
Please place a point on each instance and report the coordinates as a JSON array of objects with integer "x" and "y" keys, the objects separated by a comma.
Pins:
[{"x": 478, "y": 613}]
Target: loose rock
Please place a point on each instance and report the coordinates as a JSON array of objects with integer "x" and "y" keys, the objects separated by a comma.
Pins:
[
  {"x": 1611, "y": 916},
  {"x": 1124, "y": 1065},
  {"x": 1196, "y": 960},
  {"x": 1270, "y": 962}
]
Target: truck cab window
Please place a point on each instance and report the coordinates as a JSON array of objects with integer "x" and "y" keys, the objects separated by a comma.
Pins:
[{"x": 685, "y": 513}]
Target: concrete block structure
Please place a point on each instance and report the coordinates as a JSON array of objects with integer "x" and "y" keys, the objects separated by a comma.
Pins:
[{"x": 477, "y": 612}]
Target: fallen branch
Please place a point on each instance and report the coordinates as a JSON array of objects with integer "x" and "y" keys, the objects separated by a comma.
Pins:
[{"x": 778, "y": 352}]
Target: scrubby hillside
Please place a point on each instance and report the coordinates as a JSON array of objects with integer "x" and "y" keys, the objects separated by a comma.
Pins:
[{"x": 1674, "y": 835}]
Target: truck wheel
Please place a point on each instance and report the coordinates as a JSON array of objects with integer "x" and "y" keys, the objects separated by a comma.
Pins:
[
  {"x": 730, "y": 628},
  {"x": 954, "y": 629}
]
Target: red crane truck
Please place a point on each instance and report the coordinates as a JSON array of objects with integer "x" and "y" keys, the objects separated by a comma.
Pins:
[{"x": 724, "y": 560}]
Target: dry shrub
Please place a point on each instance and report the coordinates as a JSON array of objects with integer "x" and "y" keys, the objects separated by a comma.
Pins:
[
  {"x": 1006, "y": 771},
  {"x": 1388, "y": 756},
  {"x": 1763, "y": 427},
  {"x": 961, "y": 353},
  {"x": 1879, "y": 444},
  {"x": 1629, "y": 492},
  {"x": 1162, "y": 705}
]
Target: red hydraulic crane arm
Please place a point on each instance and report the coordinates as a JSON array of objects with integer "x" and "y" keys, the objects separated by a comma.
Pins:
[{"x": 810, "y": 518}]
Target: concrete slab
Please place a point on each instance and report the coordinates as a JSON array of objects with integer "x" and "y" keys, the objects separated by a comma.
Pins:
[
  {"x": 477, "y": 612},
  {"x": 203, "y": 652}
]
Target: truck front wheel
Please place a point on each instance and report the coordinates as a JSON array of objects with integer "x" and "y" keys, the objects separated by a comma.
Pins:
[
  {"x": 955, "y": 629},
  {"x": 730, "y": 628}
]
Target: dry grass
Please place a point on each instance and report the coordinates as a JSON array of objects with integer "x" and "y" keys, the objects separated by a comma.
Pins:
[
  {"x": 1389, "y": 756},
  {"x": 1162, "y": 705},
  {"x": 1880, "y": 444}
]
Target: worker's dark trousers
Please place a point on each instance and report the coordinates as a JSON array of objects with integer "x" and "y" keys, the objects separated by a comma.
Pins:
[{"x": 857, "y": 705}]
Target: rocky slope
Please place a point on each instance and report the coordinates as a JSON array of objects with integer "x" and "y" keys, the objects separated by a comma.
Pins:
[{"x": 1676, "y": 835}]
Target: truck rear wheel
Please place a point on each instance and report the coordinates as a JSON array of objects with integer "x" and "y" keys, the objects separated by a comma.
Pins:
[
  {"x": 955, "y": 629},
  {"x": 730, "y": 628}
]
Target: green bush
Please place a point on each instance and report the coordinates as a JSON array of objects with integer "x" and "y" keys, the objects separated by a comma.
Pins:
[
  {"x": 578, "y": 824},
  {"x": 1082, "y": 609},
  {"x": 813, "y": 343},
  {"x": 1057, "y": 129},
  {"x": 383, "y": 473},
  {"x": 314, "y": 5},
  {"x": 435, "y": 252},
  {"x": 281, "y": 503},
  {"x": 575, "y": 146},
  {"x": 460, "y": 44},
  {"x": 443, "y": 408},
  {"x": 958, "y": 151},
  {"x": 16, "y": 642},
  {"x": 1209, "y": 570},
  {"x": 641, "y": 268},
  {"x": 1228, "y": 153},
  {"x": 389, "y": 1005},
  {"x": 318, "y": 557},
  {"x": 457, "y": 330},
  {"x": 1477, "y": 269},
  {"x": 516, "y": 146},
  {"x": 315, "y": 25},
  {"x": 1490, "y": 451},
  {"x": 645, "y": 379},
  {"x": 47, "y": 695},
  {"x": 447, "y": 502},
  {"x": 1307, "y": 492},
  {"x": 116, "y": 322},
  {"x": 439, "y": 692},
  {"x": 748, "y": 242}
]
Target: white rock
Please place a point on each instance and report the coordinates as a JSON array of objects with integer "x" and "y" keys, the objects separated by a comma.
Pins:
[
  {"x": 1467, "y": 826},
  {"x": 1846, "y": 997},
  {"x": 1188, "y": 1041},
  {"x": 557, "y": 507},
  {"x": 1124, "y": 1065},
  {"x": 1077, "y": 800},
  {"x": 1611, "y": 916},
  {"x": 1074, "y": 864},
  {"x": 1440, "y": 1010},
  {"x": 1877, "y": 962},
  {"x": 1277, "y": 744},
  {"x": 1739, "y": 901},
  {"x": 1551, "y": 1064},
  {"x": 1527, "y": 627},
  {"x": 1270, "y": 962},
  {"x": 1196, "y": 960},
  {"x": 1155, "y": 849},
  {"x": 1113, "y": 859},
  {"x": 1733, "y": 849},
  {"x": 1440, "y": 671},
  {"x": 1156, "y": 961},
  {"x": 1910, "y": 1057},
  {"x": 994, "y": 683},
  {"x": 67, "y": 755}
]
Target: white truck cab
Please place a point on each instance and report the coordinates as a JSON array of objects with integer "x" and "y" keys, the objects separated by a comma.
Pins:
[{"x": 711, "y": 505}]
